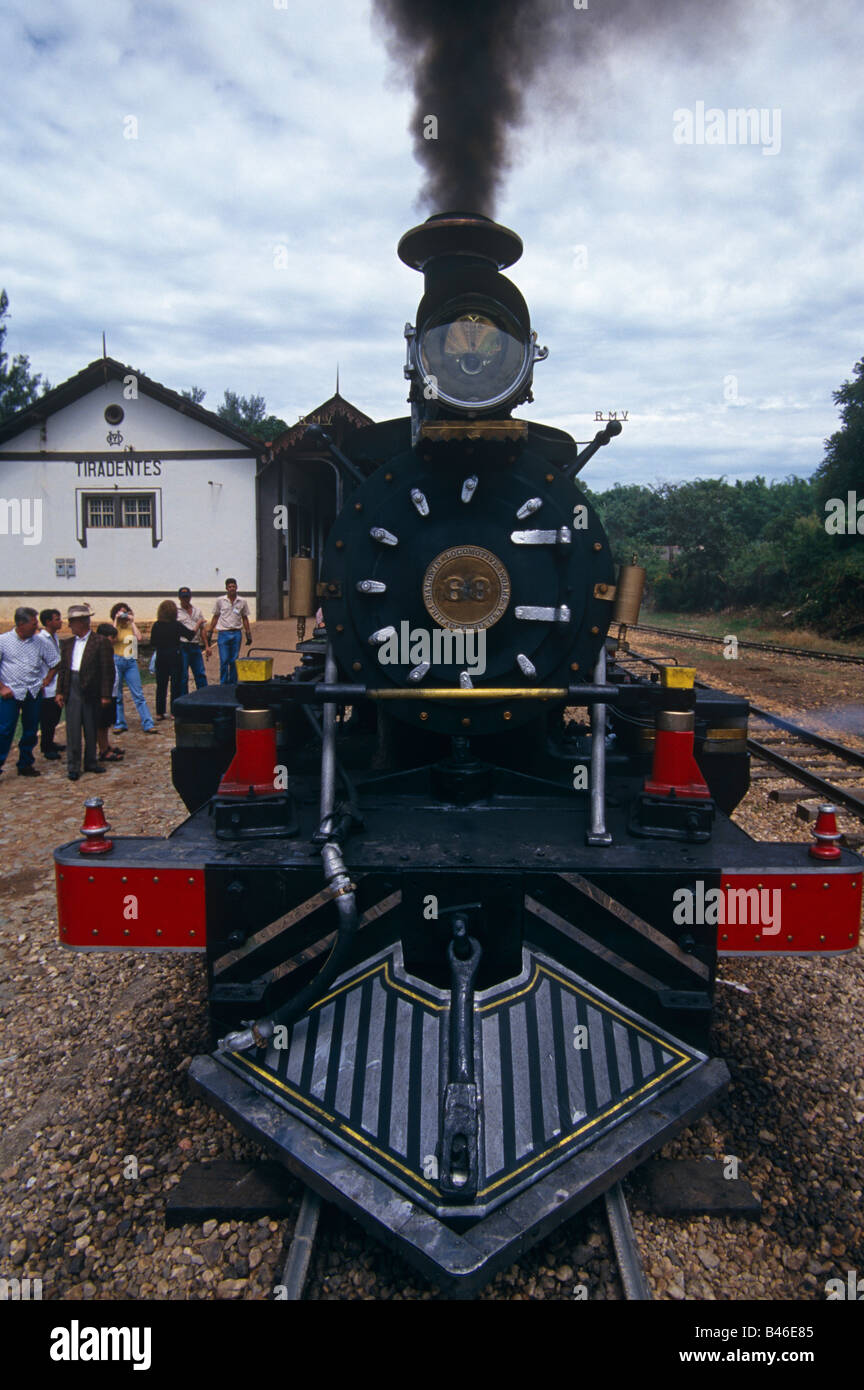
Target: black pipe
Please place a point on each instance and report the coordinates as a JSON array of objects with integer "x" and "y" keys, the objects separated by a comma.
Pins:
[
  {"x": 259, "y": 1032},
  {"x": 343, "y": 463},
  {"x": 346, "y": 906}
]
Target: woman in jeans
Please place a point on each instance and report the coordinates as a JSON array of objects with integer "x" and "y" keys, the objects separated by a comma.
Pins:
[
  {"x": 126, "y": 665},
  {"x": 107, "y": 754},
  {"x": 167, "y": 638}
]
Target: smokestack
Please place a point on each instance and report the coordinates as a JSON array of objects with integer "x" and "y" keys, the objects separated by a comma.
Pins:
[
  {"x": 450, "y": 241},
  {"x": 472, "y": 351}
]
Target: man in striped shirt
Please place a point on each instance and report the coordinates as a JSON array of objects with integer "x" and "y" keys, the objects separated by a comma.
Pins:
[{"x": 27, "y": 665}]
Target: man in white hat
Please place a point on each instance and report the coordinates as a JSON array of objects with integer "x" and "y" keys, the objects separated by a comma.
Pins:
[
  {"x": 27, "y": 665},
  {"x": 85, "y": 681}
]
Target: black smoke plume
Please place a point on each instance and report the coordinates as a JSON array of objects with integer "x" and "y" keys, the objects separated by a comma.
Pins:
[
  {"x": 474, "y": 64},
  {"x": 470, "y": 62}
]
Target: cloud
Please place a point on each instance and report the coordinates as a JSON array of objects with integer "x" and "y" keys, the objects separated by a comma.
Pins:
[{"x": 245, "y": 236}]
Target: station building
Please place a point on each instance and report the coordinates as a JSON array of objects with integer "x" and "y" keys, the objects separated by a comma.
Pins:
[{"x": 113, "y": 486}]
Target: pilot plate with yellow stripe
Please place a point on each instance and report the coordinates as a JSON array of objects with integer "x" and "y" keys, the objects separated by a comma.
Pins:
[{"x": 558, "y": 1064}]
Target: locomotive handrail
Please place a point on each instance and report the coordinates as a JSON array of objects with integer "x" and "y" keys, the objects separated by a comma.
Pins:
[
  {"x": 585, "y": 694},
  {"x": 311, "y": 691},
  {"x": 594, "y": 693},
  {"x": 293, "y": 650},
  {"x": 601, "y": 438}
]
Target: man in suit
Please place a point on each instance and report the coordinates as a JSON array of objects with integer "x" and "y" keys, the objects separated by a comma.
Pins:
[{"x": 84, "y": 683}]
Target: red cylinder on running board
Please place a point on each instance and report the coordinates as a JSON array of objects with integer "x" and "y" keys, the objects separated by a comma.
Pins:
[
  {"x": 253, "y": 767},
  {"x": 826, "y": 834},
  {"x": 94, "y": 828},
  {"x": 675, "y": 770}
]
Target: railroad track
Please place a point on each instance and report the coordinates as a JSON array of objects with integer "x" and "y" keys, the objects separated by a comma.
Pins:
[
  {"x": 630, "y": 1270},
  {"x": 814, "y": 761},
  {"x": 296, "y": 1271},
  {"x": 754, "y": 646}
]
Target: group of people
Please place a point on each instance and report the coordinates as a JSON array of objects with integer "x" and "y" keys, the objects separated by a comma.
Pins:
[
  {"x": 182, "y": 641},
  {"x": 37, "y": 672},
  {"x": 85, "y": 674}
]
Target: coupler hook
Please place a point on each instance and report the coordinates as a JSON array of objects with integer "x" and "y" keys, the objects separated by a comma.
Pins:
[{"x": 460, "y": 1120}]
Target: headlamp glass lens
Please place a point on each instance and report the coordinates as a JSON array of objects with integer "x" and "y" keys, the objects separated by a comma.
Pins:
[{"x": 474, "y": 351}]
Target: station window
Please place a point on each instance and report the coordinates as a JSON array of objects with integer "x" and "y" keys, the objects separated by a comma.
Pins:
[
  {"x": 118, "y": 510},
  {"x": 100, "y": 511},
  {"x": 137, "y": 511},
  {"x": 107, "y": 510}
]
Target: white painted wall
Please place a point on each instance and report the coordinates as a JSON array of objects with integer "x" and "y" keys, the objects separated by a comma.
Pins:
[{"x": 207, "y": 506}]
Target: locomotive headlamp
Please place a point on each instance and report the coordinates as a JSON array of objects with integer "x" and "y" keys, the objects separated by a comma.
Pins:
[
  {"x": 473, "y": 354},
  {"x": 473, "y": 350}
]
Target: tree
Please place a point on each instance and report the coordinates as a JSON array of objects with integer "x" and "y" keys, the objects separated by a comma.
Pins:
[
  {"x": 631, "y": 512},
  {"x": 247, "y": 413},
  {"x": 195, "y": 394},
  {"x": 709, "y": 544},
  {"x": 243, "y": 411},
  {"x": 842, "y": 469},
  {"x": 18, "y": 386}
]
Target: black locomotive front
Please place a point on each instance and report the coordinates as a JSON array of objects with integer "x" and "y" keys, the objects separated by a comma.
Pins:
[
  {"x": 438, "y": 870},
  {"x": 469, "y": 528}
]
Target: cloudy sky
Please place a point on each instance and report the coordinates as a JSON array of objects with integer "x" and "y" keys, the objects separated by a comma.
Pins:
[{"x": 221, "y": 186}]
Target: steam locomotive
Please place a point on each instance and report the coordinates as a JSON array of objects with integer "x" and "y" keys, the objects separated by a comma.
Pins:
[{"x": 463, "y": 878}]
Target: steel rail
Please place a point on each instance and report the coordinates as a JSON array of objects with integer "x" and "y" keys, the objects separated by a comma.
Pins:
[
  {"x": 849, "y": 755},
  {"x": 755, "y": 646},
  {"x": 828, "y": 745},
  {"x": 296, "y": 1269},
  {"x": 794, "y": 770},
  {"x": 829, "y": 790},
  {"x": 633, "y": 1281},
  {"x": 626, "y": 1250}
]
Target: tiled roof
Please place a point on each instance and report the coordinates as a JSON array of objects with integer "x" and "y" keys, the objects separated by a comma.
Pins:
[
  {"x": 109, "y": 369},
  {"x": 335, "y": 411}
]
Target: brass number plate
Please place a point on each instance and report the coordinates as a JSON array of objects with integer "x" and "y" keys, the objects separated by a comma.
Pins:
[{"x": 466, "y": 587}]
